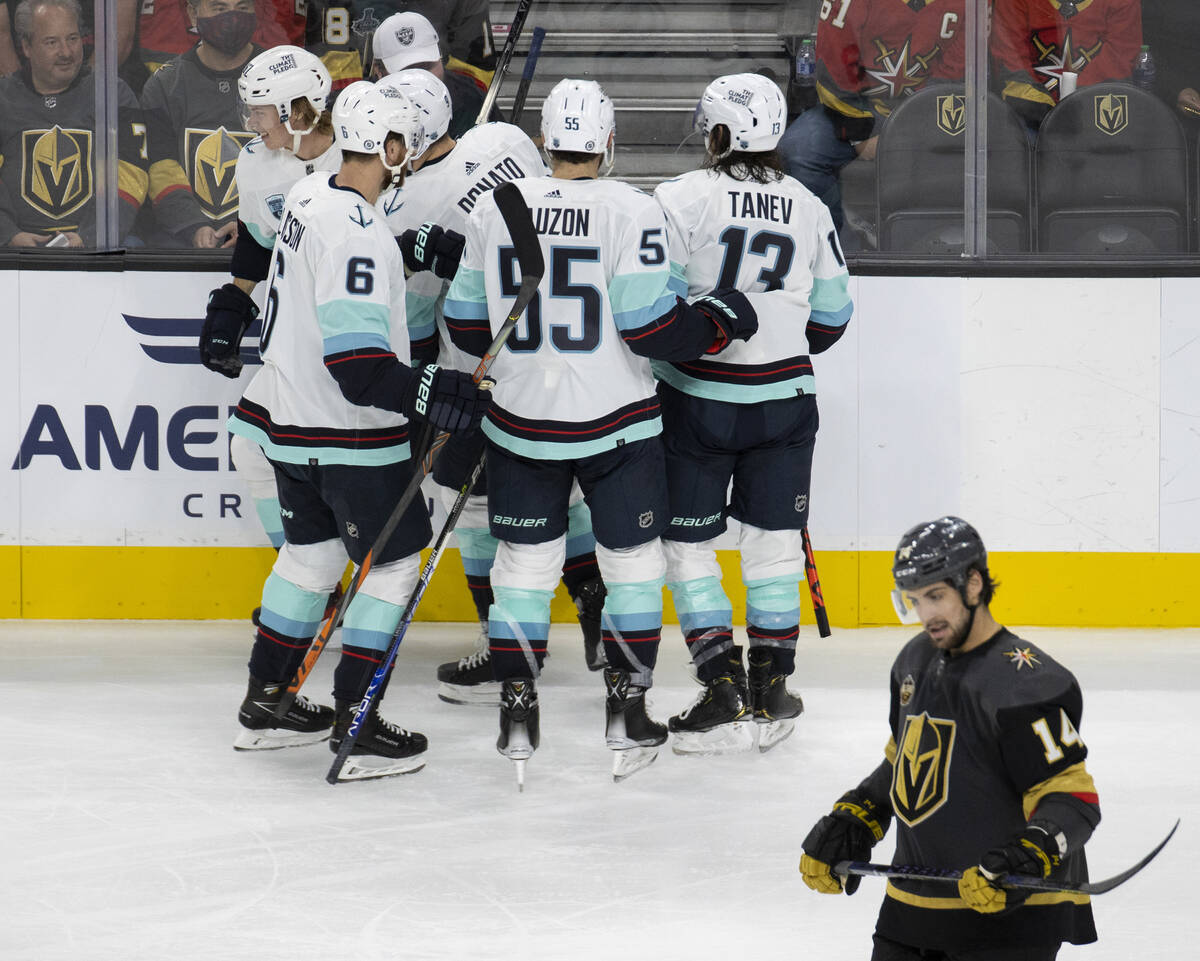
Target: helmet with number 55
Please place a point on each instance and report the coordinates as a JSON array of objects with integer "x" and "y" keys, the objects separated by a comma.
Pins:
[{"x": 578, "y": 117}]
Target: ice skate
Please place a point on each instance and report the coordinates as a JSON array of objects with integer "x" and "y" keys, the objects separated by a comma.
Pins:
[
  {"x": 382, "y": 749},
  {"x": 304, "y": 722},
  {"x": 630, "y": 734},
  {"x": 719, "y": 722},
  {"x": 589, "y": 603},
  {"x": 469, "y": 680},
  {"x": 519, "y": 733},
  {"x": 774, "y": 707}
]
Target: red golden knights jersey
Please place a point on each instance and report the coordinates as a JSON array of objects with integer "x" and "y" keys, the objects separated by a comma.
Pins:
[
  {"x": 870, "y": 54},
  {"x": 1033, "y": 43}
]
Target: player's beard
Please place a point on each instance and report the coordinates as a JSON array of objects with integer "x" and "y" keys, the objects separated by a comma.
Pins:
[
  {"x": 955, "y": 633},
  {"x": 391, "y": 180}
]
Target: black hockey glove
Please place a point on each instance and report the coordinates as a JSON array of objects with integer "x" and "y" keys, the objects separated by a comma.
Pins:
[
  {"x": 1036, "y": 851},
  {"x": 230, "y": 312},
  {"x": 732, "y": 314},
  {"x": 445, "y": 398},
  {"x": 847, "y": 834},
  {"x": 429, "y": 247}
]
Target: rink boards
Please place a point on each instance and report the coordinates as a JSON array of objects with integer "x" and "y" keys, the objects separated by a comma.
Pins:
[{"x": 1061, "y": 416}]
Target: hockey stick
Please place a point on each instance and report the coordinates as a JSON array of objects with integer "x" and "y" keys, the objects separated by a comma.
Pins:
[
  {"x": 510, "y": 43},
  {"x": 814, "y": 585},
  {"x": 379, "y": 680},
  {"x": 529, "y": 255},
  {"x": 531, "y": 59},
  {"x": 1008, "y": 881}
]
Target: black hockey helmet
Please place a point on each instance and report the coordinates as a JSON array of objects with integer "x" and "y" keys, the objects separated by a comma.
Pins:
[{"x": 941, "y": 550}]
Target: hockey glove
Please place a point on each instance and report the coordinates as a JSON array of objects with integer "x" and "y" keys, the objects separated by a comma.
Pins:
[
  {"x": 445, "y": 398},
  {"x": 847, "y": 834},
  {"x": 731, "y": 312},
  {"x": 429, "y": 247},
  {"x": 230, "y": 312},
  {"x": 1036, "y": 852}
]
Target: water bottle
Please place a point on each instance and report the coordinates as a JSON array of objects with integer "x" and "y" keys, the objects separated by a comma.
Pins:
[
  {"x": 806, "y": 64},
  {"x": 1143, "y": 69}
]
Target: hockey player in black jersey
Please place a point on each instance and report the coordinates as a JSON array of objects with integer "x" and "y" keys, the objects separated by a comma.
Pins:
[{"x": 984, "y": 773}]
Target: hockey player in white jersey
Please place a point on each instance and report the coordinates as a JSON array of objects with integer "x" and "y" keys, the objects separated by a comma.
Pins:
[
  {"x": 575, "y": 401},
  {"x": 283, "y": 92},
  {"x": 332, "y": 407},
  {"x": 749, "y": 415},
  {"x": 447, "y": 181}
]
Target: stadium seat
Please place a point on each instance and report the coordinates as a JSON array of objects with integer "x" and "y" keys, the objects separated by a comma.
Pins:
[
  {"x": 920, "y": 175},
  {"x": 1112, "y": 174}
]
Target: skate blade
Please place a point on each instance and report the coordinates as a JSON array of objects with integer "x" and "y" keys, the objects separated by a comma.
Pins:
[
  {"x": 630, "y": 760},
  {"x": 486, "y": 694},
  {"x": 519, "y": 763},
  {"x": 367, "y": 767},
  {"x": 733, "y": 738},
  {"x": 771, "y": 733},
  {"x": 274, "y": 738}
]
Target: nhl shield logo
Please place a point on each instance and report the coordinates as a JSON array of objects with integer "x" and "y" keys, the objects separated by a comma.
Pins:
[
  {"x": 211, "y": 157},
  {"x": 56, "y": 170},
  {"x": 1112, "y": 113},
  {"x": 645, "y": 519},
  {"x": 952, "y": 114},
  {"x": 921, "y": 773}
]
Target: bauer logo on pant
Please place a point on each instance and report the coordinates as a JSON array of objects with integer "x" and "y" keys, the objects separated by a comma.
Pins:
[{"x": 921, "y": 773}]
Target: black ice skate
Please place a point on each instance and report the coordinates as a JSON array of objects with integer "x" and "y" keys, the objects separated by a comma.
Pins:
[
  {"x": 630, "y": 733},
  {"x": 304, "y": 722},
  {"x": 719, "y": 722},
  {"x": 519, "y": 733},
  {"x": 774, "y": 707},
  {"x": 589, "y": 603},
  {"x": 382, "y": 749},
  {"x": 469, "y": 680}
]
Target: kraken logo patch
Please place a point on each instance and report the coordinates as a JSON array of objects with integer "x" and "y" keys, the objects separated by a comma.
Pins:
[
  {"x": 211, "y": 157},
  {"x": 1112, "y": 113},
  {"x": 952, "y": 114},
  {"x": 921, "y": 773},
  {"x": 56, "y": 170}
]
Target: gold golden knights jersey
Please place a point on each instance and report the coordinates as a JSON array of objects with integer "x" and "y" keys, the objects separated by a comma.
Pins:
[
  {"x": 196, "y": 135},
  {"x": 982, "y": 741},
  {"x": 47, "y": 158}
]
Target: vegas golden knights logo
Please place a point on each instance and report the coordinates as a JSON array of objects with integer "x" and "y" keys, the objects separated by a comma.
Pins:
[
  {"x": 1112, "y": 113},
  {"x": 952, "y": 114},
  {"x": 56, "y": 170},
  {"x": 921, "y": 772},
  {"x": 211, "y": 160}
]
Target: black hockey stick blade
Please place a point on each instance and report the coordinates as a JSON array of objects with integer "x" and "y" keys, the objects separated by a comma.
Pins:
[
  {"x": 916, "y": 873},
  {"x": 510, "y": 44}
]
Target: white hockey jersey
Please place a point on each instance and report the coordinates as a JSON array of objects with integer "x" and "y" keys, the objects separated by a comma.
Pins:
[
  {"x": 445, "y": 192},
  {"x": 568, "y": 385},
  {"x": 264, "y": 178},
  {"x": 336, "y": 286},
  {"x": 774, "y": 242}
]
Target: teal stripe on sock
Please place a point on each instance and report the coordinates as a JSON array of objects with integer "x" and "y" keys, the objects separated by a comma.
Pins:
[
  {"x": 370, "y": 622},
  {"x": 701, "y": 603},
  {"x": 519, "y": 609},
  {"x": 580, "y": 539},
  {"x": 773, "y": 603},
  {"x": 289, "y": 609},
  {"x": 268, "y": 514}
]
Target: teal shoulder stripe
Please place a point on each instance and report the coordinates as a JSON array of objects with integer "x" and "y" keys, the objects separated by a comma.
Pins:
[
  {"x": 421, "y": 315},
  {"x": 831, "y": 293},
  {"x": 833, "y": 318},
  {"x": 352, "y": 317},
  {"x": 678, "y": 284},
  {"x": 468, "y": 286},
  {"x": 638, "y": 299},
  {"x": 261, "y": 238},
  {"x": 464, "y": 309}
]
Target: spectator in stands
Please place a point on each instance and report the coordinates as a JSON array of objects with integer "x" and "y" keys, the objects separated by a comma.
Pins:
[
  {"x": 869, "y": 56},
  {"x": 340, "y": 32},
  {"x": 167, "y": 29},
  {"x": 1034, "y": 41},
  {"x": 47, "y": 173},
  {"x": 407, "y": 41},
  {"x": 1172, "y": 29},
  {"x": 131, "y": 71},
  {"x": 195, "y": 129}
]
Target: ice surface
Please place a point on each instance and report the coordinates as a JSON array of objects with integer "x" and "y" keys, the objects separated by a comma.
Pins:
[{"x": 132, "y": 830}]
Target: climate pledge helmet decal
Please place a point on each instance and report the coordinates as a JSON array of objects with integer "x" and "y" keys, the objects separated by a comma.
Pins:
[{"x": 921, "y": 772}]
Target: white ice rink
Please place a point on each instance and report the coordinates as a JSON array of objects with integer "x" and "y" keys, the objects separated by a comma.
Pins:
[{"x": 132, "y": 830}]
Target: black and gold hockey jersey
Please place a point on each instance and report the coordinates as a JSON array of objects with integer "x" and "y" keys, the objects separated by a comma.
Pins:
[
  {"x": 980, "y": 742},
  {"x": 47, "y": 158},
  {"x": 196, "y": 134}
]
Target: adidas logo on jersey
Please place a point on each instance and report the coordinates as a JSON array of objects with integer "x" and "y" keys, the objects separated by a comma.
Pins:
[
  {"x": 554, "y": 193},
  {"x": 471, "y": 166}
]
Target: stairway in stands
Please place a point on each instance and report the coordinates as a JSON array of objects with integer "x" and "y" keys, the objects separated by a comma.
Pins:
[{"x": 654, "y": 59}]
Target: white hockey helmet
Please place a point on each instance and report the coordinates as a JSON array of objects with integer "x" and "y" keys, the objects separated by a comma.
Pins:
[
  {"x": 578, "y": 117},
  {"x": 429, "y": 95},
  {"x": 278, "y": 76},
  {"x": 749, "y": 105},
  {"x": 365, "y": 113}
]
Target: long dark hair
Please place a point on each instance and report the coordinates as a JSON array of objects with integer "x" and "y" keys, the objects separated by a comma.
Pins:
[{"x": 760, "y": 167}]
